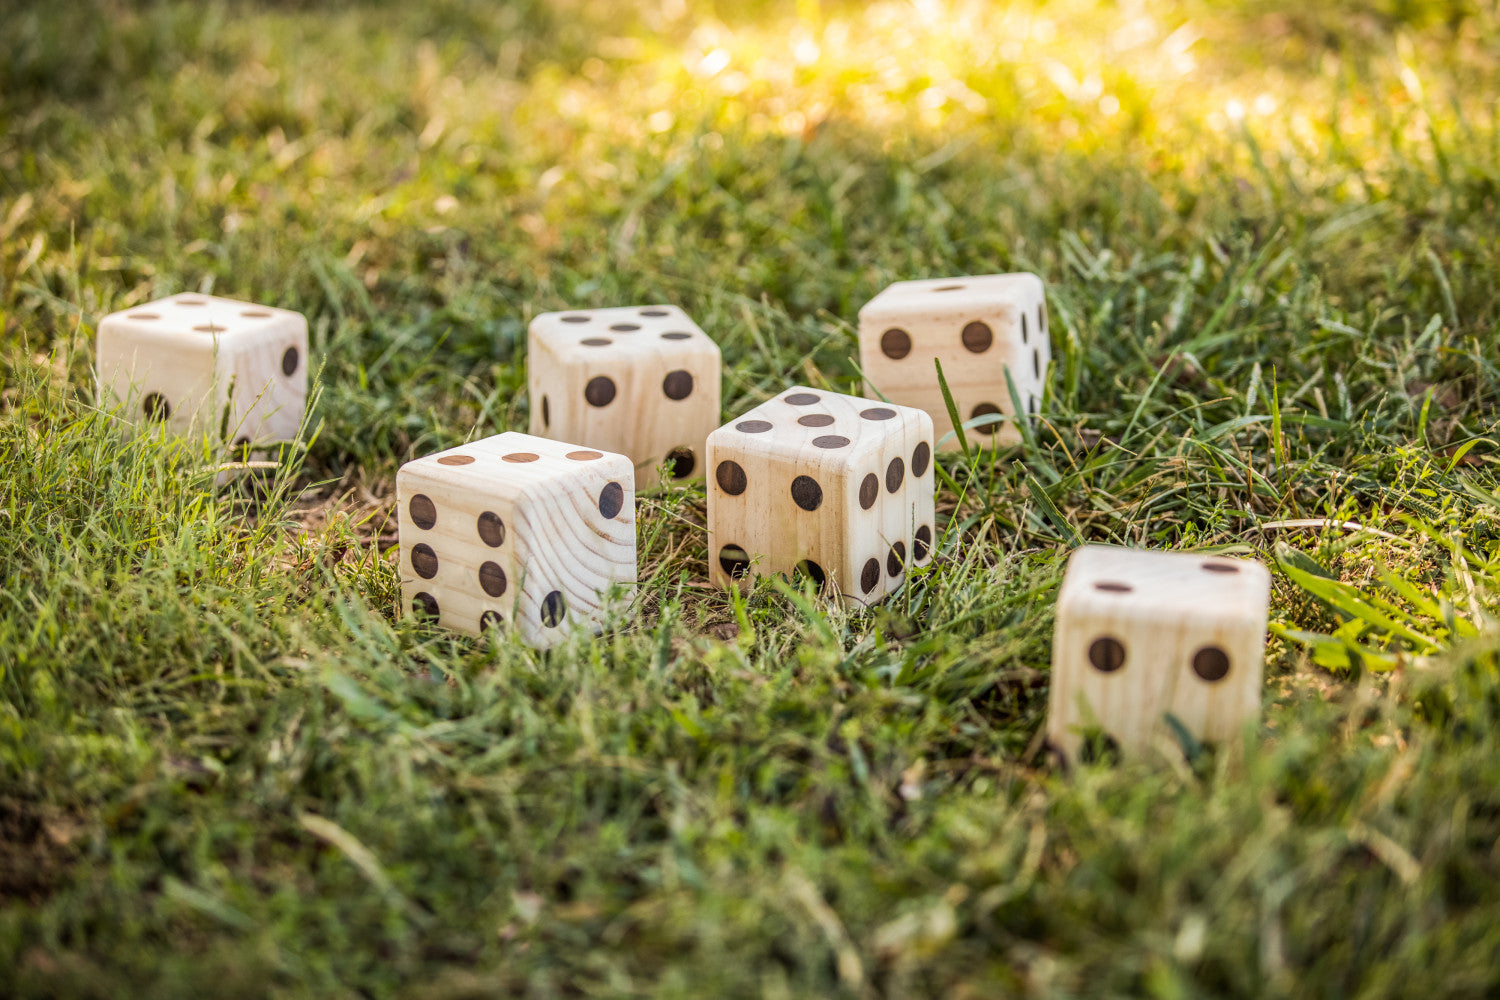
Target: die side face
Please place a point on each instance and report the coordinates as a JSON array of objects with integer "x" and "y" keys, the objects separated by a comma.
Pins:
[
  {"x": 639, "y": 380},
  {"x": 978, "y": 327},
  {"x": 836, "y": 487},
  {"x": 205, "y": 364},
  {"x": 1140, "y": 634},
  {"x": 518, "y": 532}
]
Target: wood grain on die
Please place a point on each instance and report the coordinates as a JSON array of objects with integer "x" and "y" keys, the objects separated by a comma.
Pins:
[
  {"x": 979, "y": 327},
  {"x": 207, "y": 365},
  {"x": 522, "y": 531},
  {"x": 837, "y": 486},
  {"x": 639, "y": 380},
  {"x": 1143, "y": 633}
]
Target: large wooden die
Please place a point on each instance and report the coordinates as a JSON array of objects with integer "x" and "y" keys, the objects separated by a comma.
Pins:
[
  {"x": 1143, "y": 634},
  {"x": 207, "y": 365},
  {"x": 639, "y": 380},
  {"x": 836, "y": 486},
  {"x": 517, "y": 531},
  {"x": 979, "y": 327}
]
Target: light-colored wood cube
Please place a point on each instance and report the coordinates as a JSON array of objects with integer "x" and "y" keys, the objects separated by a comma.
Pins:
[
  {"x": 1141, "y": 634},
  {"x": 207, "y": 365},
  {"x": 639, "y": 380},
  {"x": 978, "y": 327},
  {"x": 518, "y": 531},
  {"x": 837, "y": 486}
]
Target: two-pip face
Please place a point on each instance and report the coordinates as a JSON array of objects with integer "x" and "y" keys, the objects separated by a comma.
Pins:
[
  {"x": 1142, "y": 634},
  {"x": 979, "y": 327}
]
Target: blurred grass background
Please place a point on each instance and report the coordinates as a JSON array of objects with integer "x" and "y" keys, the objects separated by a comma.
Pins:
[{"x": 1268, "y": 232}]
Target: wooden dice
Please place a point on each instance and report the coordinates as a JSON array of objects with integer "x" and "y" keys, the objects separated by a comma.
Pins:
[
  {"x": 978, "y": 327},
  {"x": 206, "y": 365},
  {"x": 517, "y": 531},
  {"x": 838, "y": 487},
  {"x": 1143, "y": 634},
  {"x": 641, "y": 380}
]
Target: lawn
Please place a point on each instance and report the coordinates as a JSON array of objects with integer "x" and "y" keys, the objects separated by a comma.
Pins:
[{"x": 1270, "y": 233}]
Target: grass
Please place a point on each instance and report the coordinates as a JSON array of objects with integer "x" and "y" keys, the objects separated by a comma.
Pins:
[{"x": 1268, "y": 232}]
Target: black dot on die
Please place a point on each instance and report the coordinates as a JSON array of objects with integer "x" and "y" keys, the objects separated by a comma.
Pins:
[
  {"x": 977, "y": 337},
  {"x": 625, "y": 327},
  {"x": 1211, "y": 663},
  {"x": 753, "y": 426},
  {"x": 731, "y": 478},
  {"x": 682, "y": 462},
  {"x": 600, "y": 391},
  {"x": 807, "y": 493},
  {"x": 895, "y": 343},
  {"x": 546, "y": 412},
  {"x": 424, "y": 561},
  {"x": 815, "y": 420},
  {"x": 489, "y": 620},
  {"x": 553, "y": 609},
  {"x": 491, "y": 529},
  {"x": 653, "y": 312},
  {"x": 611, "y": 499},
  {"x": 921, "y": 455},
  {"x": 869, "y": 577},
  {"x": 894, "y": 474},
  {"x": 676, "y": 335},
  {"x": 869, "y": 490},
  {"x": 155, "y": 406},
  {"x": 878, "y": 413},
  {"x": 575, "y": 319},
  {"x": 424, "y": 606},
  {"x": 423, "y": 511},
  {"x": 985, "y": 410},
  {"x": 922, "y": 544},
  {"x": 677, "y": 385},
  {"x": 1107, "y": 654},
  {"x": 1036, "y": 362},
  {"x": 813, "y": 572},
  {"x": 492, "y": 579},
  {"x": 895, "y": 560},
  {"x": 831, "y": 441},
  {"x": 289, "y": 361},
  {"x": 1024, "y": 335},
  {"x": 734, "y": 560},
  {"x": 801, "y": 399}
]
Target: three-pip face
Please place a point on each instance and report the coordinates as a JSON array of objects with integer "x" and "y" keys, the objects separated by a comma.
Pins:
[{"x": 1141, "y": 634}]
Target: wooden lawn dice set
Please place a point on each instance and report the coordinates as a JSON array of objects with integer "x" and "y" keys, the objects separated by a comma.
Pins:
[{"x": 536, "y": 532}]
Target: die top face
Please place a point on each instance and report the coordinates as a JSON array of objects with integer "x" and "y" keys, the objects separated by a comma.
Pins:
[
  {"x": 593, "y": 336},
  {"x": 839, "y": 430},
  {"x": 515, "y": 465},
  {"x": 1112, "y": 582},
  {"x": 190, "y": 320},
  {"x": 955, "y": 300}
]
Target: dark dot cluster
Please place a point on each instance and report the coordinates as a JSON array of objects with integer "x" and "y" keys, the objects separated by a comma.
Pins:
[
  {"x": 1108, "y": 654},
  {"x": 807, "y": 493},
  {"x": 490, "y": 528}
]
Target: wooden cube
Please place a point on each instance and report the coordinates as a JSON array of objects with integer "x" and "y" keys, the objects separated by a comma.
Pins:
[
  {"x": 516, "y": 531},
  {"x": 979, "y": 327},
  {"x": 639, "y": 380},
  {"x": 207, "y": 365},
  {"x": 837, "y": 486},
  {"x": 1141, "y": 634}
]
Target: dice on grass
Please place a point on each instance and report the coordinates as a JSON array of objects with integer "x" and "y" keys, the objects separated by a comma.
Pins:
[
  {"x": 639, "y": 380},
  {"x": 837, "y": 487},
  {"x": 207, "y": 365},
  {"x": 1144, "y": 634},
  {"x": 979, "y": 327},
  {"x": 516, "y": 531}
]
